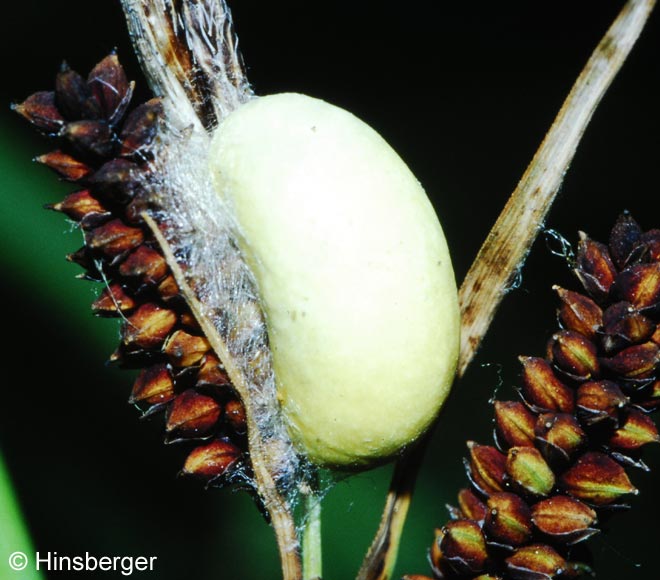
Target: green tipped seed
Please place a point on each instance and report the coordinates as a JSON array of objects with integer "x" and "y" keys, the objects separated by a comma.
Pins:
[
  {"x": 529, "y": 471},
  {"x": 354, "y": 275}
]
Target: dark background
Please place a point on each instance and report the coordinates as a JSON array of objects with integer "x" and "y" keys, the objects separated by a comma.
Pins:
[{"x": 465, "y": 93}]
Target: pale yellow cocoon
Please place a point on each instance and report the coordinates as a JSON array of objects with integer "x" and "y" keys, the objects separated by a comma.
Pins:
[{"x": 353, "y": 271}]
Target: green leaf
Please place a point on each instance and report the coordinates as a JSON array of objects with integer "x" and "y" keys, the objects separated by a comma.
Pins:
[{"x": 15, "y": 544}]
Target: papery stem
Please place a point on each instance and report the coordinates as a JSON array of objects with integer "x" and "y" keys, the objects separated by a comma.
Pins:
[
  {"x": 503, "y": 253},
  {"x": 382, "y": 555}
]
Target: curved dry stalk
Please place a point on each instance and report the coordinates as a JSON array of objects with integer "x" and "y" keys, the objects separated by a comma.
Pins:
[
  {"x": 275, "y": 504},
  {"x": 504, "y": 251}
]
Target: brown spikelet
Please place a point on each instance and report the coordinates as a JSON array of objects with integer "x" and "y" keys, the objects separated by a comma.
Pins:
[
  {"x": 110, "y": 88},
  {"x": 67, "y": 166},
  {"x": 515, "y": 424},
  {"x": 486, "y": 468},
  {"x": 564, "y": 519},
  {"x": 113, "y": 301},
  {"x": 40, "y": 109},
  {"x": 210, "y": 462},
  {"x": 508, "y": 519},
  {"x": 81, "y": 205},
  {"x": 104, "y": 149},
  {"x": 561, "y": 455}
]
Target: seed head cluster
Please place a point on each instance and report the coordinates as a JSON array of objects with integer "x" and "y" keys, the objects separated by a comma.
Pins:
[
  {"x": 104, "y": 147},
  {"x": 561, "y": 452}
]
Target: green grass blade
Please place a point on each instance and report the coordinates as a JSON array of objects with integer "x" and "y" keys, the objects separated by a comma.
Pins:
[{"x": 14, "y": 536}]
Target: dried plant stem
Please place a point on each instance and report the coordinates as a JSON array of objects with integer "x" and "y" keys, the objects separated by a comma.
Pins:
[
  {"x": 502, "y": 254},
  {"x": 382, "y": 555},
  {"x": 506, "y": 247},
  {"x": 277, "y": 507},
  {"x": 189, "y": 54}
]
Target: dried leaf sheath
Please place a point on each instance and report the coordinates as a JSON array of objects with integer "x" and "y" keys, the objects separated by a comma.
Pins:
[
  {"x": 561, "y": 453},
  {"x": 189, "y": 53}
]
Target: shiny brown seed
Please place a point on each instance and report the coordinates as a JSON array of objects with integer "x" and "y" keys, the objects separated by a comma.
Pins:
[
  {"x": 625, "y": 240},
  {"x": 651, "y": 240},
  {"x": 579, "y": 313},
  {"x": 508, "y": 519},
  {"x": 168, "y": 289},
  {"x": 136, "y": 208},
  {"x": 564, "y": 519},
  {"x": 90, "y": 137},
  {"x": 192, "y": 415},
  {"x": 113, "y": 301},
  {"x": 74, "y": 97},
  {"x": 640, "y": 285},
  {"x": 559, "y": 436},
  {"x": 535, "y": 562},
  {"x": 184, "y": 349},
  {"x": 114, "y": 238},
  {"x": 40, "y": 110},
  {"x": 212, "y": 373},
  {"x": 514, "y": 424},
  {"x": 235, "y": 416},
  {"x": 486, "y": 468},
  {"x": 594, "y": 267},
  {"x": 470, "y": 506},
  {"x": 154, "y": 386},
  {"x": 211, "y": 461},
  {"x": 596, "y": 479},
  {"x": 110, "y": 87},
  {"x": 118, "y": 179},
  {"x": 148, "y": 327},
  {"x": 79, "y": 205},
  {"x": 542, "y": 389},
  {"x": 637, "y": 430},
  {"x": 623, "y": 325},
  {"x": 464, "y": 547},
  {"x": 83, "y": 258},
  {"x": 574, "y": 354},
  {"x": 634, "y": 362},
  {"x": 145, "y": 264},
  {"x": 65, "y": 165},
  {"x": 600, "y": 400},
  {"x": 140, "y": 129},
  {"x": 529, "y": 472}
]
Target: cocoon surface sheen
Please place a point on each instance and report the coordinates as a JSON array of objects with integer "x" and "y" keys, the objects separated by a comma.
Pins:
[{"x": 353, "y": 272}]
